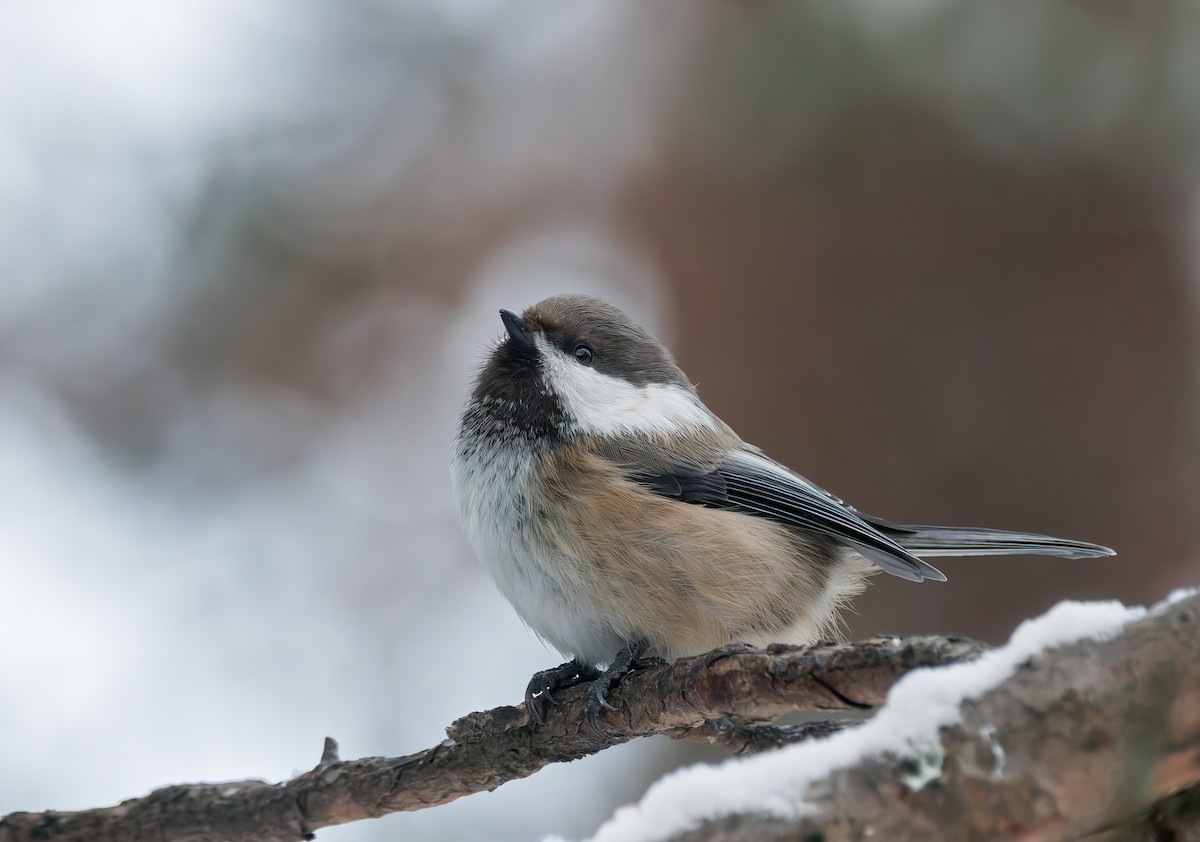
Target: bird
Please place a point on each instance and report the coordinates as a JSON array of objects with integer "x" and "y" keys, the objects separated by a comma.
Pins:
[{"x": 628, "y": 524}]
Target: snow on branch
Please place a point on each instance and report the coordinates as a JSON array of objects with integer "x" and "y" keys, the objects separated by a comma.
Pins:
[
  {"x": 1087, "y": 717},
  {"x": 1086, "y": 720}
]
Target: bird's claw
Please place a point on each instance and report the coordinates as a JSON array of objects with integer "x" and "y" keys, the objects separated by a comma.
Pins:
[
  {"x": 539, "y": 693},
  {"x": 597, "y": 701},
  {"x": 632, "y": 657},
  {"x": 593, "y": 710}
]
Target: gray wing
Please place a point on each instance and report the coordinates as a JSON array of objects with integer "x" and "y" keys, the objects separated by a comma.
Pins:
[{"x": 748, "y": 482}]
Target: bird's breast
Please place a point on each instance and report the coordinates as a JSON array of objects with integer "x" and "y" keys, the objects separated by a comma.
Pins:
[{"x": 505, "y": 515}]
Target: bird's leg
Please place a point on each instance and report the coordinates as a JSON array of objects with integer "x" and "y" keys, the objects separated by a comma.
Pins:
[
  {"x": 635, "y": 656},
  {"x": 539, "y": 693}
]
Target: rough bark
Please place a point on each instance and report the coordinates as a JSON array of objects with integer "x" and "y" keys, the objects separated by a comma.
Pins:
[
  {"x": 719, "y": 697},
  {"x": 1096, "y": 740}
]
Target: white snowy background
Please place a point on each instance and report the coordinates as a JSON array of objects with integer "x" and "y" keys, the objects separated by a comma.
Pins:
[
  {"x": 225, "y": 521},
  {"x": 248, "y": 568}
]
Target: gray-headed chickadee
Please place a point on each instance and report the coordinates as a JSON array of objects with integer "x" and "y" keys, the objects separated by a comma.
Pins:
[{"x": 624, "y": 520}]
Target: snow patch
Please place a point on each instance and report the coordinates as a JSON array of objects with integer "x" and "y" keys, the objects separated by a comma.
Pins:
[
  {"x": 1180, "y": 594},
  {"x": 999, "y": 757},
  {"x": 918, "y": 706},
  {"x": 926, "y": 767}
]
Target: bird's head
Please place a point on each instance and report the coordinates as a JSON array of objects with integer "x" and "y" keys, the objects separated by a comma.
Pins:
[{"x": 576, "y": 365}]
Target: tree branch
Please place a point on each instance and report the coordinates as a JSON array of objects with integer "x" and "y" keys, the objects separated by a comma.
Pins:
[
  {"x": 1095, "y": 740},
  {"x": 718, "y": 697}
]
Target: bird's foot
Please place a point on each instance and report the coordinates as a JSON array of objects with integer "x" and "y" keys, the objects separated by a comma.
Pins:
[
  {"x": 539, "y": 693},
  {"x": 635, "y": 656}
]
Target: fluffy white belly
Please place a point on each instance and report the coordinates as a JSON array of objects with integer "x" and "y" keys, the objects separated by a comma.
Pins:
[{"x": 498, "y": 515}]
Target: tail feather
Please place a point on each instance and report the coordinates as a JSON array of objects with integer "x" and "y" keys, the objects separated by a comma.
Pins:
[{"x": 930, "y": 541}]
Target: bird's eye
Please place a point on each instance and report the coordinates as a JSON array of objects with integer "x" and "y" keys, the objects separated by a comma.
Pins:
[{"x": 584, "y": 354}]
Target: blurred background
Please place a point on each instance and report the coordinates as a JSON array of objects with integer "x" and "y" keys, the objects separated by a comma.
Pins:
[{"x": 942, "y": 258}]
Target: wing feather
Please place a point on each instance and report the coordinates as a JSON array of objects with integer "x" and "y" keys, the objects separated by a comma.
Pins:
[{"x": 746, "y": 481}]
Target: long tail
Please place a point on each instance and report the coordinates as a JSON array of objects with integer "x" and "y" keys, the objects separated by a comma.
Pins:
[{"x": 929, "y": 541}]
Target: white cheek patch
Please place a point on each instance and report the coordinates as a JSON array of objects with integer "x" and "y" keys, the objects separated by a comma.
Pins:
[{"x": 599, "y": 404}]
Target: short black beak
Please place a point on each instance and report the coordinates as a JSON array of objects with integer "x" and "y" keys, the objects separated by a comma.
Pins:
[{"x": 518, "y": 331}]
